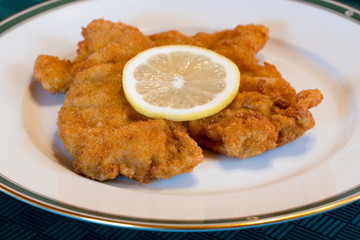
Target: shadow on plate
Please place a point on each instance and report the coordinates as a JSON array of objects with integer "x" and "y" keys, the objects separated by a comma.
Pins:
[
  {"x": 176, "y": 182},
  {"x": 61, "y": 154},
  {"x": 43, "y": 97},
  {"x": 293, "y": 149}
]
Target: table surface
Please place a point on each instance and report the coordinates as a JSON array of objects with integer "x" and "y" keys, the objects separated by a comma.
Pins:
[{"x": 19, "y": 220}]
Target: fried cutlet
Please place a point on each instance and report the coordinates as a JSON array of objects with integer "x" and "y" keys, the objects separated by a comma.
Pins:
[
  {"x": 104, "y": 42},
  {"x": 262, "y": 90},
  {"x": 285, "y": 114},
  {"x": 267, "y": 111},
  {"x": 107, "y": 137}
]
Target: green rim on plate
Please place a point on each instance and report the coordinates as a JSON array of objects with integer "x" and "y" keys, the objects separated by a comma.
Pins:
[
  {"x": 338, "y": 7},
  {"x": 52, "y": 205}
]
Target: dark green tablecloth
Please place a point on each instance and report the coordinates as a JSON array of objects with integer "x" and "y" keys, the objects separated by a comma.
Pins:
[{"x": 19, "y": 220}]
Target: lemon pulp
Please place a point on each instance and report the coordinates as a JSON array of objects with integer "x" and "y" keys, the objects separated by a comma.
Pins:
[{"x": 179, "y": 82}]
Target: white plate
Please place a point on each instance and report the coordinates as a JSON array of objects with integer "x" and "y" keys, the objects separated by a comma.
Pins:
[{"x": 312, "y": 46}]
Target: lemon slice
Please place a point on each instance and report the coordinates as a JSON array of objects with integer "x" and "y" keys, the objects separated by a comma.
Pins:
[{"x": 180, "y": 82}]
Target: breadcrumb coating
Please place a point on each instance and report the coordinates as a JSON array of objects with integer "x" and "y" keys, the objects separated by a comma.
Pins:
[{"x": 107, "y": 137}]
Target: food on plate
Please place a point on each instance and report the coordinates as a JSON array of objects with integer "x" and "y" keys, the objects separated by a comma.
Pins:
[
  {"x": 104, "y": 42},
  {"x": 239, "y": 44},
  {"x": 267, "y": 111},
  {"x": 253, "y": 123},
  {"x": 102, "y": 132},
  {"x": 107, "y": 137},
  {"x": 180, "y": 82}
]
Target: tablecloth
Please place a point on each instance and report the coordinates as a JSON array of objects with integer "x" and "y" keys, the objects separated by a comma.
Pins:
[{"x": 19, "y": 220}]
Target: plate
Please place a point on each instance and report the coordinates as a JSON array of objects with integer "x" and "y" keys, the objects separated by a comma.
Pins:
[{"x": 313, "y": 46}]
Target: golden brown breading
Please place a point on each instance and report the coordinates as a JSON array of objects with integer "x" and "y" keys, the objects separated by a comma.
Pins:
[
  {"x": 279, "y": 90},
  {"x": 271, "y": 124},
  {"x": 99, "y": 33},
  {"x": 172, "y": 37},
  {"x": 239, "y": 44},
  {"x": 262, "y": 90},
  {"x": 106, "y": 137},
  {"x": 241, "y": 130},
  {"x": 143, "y": 151},
  {"x": 252, "y": 36},
  {"x": 294, "y": 121},
  {"x": 53, "y": 73},
  {"x": 241, "y": 133},
  {"x": 104, "y": 42}
]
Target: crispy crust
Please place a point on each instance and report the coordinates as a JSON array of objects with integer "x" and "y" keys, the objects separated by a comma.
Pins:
[{"x": 107, "y": 137}]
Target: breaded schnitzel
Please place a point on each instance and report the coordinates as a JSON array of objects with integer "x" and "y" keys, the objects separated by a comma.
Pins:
[
  {"x": 107, "y": 137},
  {"x": 104, "y": 42},
  {"x": 267, "y": 111},
  {"x": 102, "y": 132}
]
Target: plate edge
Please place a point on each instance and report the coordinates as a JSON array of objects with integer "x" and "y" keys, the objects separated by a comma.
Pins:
[
  {"x": 344, "y": 10},
  {"x": 26, "y": 14},
  {"x": 21, "y": 193},
  {"x": 330, "y": 203}
]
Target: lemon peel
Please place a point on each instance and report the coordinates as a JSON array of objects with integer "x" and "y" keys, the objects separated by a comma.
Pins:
[{"x": 180, "y": 82}]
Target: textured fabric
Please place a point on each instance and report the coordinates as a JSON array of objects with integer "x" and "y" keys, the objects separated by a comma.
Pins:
[
  {"x": 353, "y": 3},
  {"x": 19, "y": 220},
  {"x": 10, "y": 7}
]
